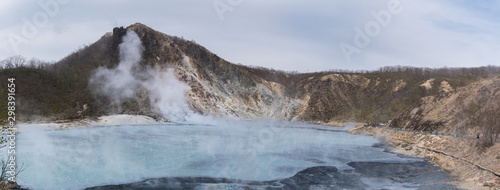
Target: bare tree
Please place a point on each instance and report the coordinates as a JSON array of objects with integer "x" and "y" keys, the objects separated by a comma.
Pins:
[
  {"x": 17, "y": 61},
  {"x": 4, "y": 183},
  {"x": 487, "y": 120},
  {"x": 13, "y": 62},
  {"x": 490, "y": 126}
]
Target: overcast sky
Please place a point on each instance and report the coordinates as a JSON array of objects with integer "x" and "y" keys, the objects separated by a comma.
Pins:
[{"x": 282, "y": 34}]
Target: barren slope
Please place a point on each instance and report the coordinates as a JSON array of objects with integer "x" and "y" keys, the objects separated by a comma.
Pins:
[{"x": 448, "y": 112}]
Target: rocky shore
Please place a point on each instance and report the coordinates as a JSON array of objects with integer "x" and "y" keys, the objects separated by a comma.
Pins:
[{"x": 471, "y": 164}]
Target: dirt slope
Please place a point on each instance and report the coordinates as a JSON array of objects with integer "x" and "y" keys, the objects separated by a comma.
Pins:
[{"x": 450, "y": 111}]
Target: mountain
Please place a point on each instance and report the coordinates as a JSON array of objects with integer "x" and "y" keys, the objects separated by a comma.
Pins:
[{"x": 217, "y": 87}]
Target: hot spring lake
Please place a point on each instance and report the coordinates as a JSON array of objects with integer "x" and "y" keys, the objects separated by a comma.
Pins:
[{"x": 239, "y": 155}]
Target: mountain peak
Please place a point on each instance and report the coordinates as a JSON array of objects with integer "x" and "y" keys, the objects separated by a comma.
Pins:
[
  {"x": 158, "y": 47},
  {"x": 141, "y": 28},
  {"x": 138, "y": 25}
]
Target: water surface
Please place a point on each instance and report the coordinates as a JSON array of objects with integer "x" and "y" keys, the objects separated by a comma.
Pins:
[{"x": 239, "y": 155}]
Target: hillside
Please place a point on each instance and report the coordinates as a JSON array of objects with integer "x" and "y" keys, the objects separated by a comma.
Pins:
[
  {"x": 217, "y": 87},
  {"x": 455, "y": 130},
  {"x": 467, "y": 111}
]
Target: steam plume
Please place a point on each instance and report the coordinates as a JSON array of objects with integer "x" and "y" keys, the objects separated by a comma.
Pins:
[{"x": 165, "y": 91}]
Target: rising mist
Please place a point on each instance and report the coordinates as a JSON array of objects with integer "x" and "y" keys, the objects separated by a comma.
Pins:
[{"x": 165, "y": 92}]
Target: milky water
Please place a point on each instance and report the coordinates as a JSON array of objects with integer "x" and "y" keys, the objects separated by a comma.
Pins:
[{"x": 260, "y": 151}]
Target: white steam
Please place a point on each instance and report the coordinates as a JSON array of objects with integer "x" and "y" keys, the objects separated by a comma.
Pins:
[{"x": 165, "y": 92}]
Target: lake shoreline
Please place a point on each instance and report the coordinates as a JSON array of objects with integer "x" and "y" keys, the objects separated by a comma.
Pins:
[
  {"x": 107, "y": 120},
  {"x": 470, "y": 165},
  {"x": 130, "y": 119}
]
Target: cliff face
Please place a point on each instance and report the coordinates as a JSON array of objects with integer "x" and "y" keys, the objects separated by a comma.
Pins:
[{"x": 217, "y": 87}]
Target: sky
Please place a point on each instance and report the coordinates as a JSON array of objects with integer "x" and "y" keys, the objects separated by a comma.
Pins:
[{"x": 290, "y": 35}]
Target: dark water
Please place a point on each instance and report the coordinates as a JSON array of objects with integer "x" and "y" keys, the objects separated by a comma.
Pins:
[{"x": 417, "y": 175}]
